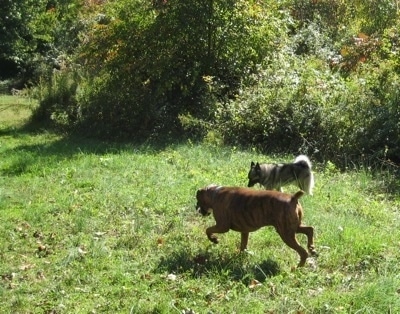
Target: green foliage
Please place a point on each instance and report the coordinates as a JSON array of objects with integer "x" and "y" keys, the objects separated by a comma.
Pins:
[
  {"x": 376, "y": 15},
  {"x": 320, "y": 77},
  {"x": 157, "y": 60},
  {"x": 16, "y": 45},
  {"x": 294, "y": 109},
  {"x": 37, "y": 36},
  {"x": 289, "y": 108},
  {"x": 310, "y": 97},
  {"x": 378, "y": 118},
  {"x": 57, "y": 100}
]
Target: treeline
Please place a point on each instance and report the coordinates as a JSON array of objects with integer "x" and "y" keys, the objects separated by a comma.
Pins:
[{"x": 314, "y": 76}]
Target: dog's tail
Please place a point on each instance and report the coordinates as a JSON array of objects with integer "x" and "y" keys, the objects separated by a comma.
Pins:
[
  {"x": 296, "y": 196},
  {"x": 303, "y": 160}
]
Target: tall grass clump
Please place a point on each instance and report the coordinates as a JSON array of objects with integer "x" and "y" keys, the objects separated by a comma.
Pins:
[{"x": 57, "y": 100}]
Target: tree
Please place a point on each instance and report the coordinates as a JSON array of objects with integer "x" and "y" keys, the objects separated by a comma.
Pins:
[
  {"x": 158, "y": 60},
  {"x": 34, "y": 34}
]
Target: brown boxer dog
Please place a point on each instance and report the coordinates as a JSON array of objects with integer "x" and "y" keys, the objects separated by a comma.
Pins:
[{"x": 247, "y": 210}]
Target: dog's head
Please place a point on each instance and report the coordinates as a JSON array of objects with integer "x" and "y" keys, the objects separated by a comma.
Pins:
[
  {"x": 254, "y": 174},
  {"x": 204, "y": 199}
]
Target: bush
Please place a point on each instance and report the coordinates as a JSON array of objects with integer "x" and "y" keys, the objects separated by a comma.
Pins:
[
  {"x": 378, "y": 117},
  {"x": 316, "y": 77},
  {"x": 58, "y": 106},
  {"x": 158, "y": 58},
  {"x": 300, "y": 106},
  {"x": 291, "y": 109}
]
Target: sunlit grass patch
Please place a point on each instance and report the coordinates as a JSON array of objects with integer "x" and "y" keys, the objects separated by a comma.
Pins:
[
  {"x": 89, "y": 226},
  {"x": 14, "y": 110}
]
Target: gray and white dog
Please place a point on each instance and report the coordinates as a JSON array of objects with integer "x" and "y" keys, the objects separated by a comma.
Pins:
[{"x": 274, "y": 176}]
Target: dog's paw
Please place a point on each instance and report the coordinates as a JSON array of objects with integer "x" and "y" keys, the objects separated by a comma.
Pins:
[
  {"x": 214, "y": 240},
  {"x": 248, "y": 252},
  {"x": 313, "y": 252}
]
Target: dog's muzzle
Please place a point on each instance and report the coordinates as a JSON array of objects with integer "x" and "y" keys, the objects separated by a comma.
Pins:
[
  {"x": 203, "y": 211},
  {"x": 251, "y": 183}
]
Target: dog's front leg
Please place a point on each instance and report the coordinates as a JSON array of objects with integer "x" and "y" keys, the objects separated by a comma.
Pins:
[
  {"x": 215, "y": 229},
  {"x": 244, "y": 240}
]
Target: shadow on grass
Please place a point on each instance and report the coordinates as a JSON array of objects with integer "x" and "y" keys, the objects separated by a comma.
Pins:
[
  {"x": 46, "y": 147},
  {"x": 238, "y": 267}
]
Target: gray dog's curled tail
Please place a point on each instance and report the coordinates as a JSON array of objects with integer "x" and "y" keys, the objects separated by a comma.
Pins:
[{"x": 303, "y": 160}]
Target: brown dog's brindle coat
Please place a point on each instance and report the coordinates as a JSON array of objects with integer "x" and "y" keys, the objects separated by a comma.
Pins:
[{"x": 247, "y": 210}]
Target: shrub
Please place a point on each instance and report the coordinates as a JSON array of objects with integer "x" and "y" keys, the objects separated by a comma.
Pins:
[
  {"x": 157, "y": 60},
  {"x": 291, "y": 109},
  {"x": 316, "y": 77},
  {"x": 57, "y": 100},
  {"x": 299, "y": 105},
  {"x": 378, "y": 118}
]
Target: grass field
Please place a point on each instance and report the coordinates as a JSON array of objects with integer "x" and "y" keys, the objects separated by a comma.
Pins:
[{"x": 94, "y": 227}]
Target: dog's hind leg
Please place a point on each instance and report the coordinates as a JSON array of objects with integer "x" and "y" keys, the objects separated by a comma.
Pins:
[
  {"x": 244, "y": 240},
  {"x": 309, "y": 232},
  {"x": 291, "y": 241}
]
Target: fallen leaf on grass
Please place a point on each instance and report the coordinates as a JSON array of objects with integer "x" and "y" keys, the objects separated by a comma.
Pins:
[
  {"x": 26, "y": 266},
  {"x": 38, "y": 235},
  {"x": 272, "y": 289},
  {"x": 26, "y": 225},
  {"x": 42, "y": 248},
  {"x": 8, "y": 277},
  {"x": 145, "y": 277},
  {"x": 315, "y": 292},
  {"x": 23, "y": 226},
  {"x": 81, "y": 251},
  {"x": 160, "y": 241},
  {"x": 324, "y": 247},
  {"x": 254, "y": 283},
  {"x": 40, "y": 275},
  {"x": 12, "y": 285},
  {"x": 312, "y": 263}
]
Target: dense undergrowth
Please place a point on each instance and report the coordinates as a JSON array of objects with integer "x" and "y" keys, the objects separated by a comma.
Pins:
[{"x": 320, "y": 77}]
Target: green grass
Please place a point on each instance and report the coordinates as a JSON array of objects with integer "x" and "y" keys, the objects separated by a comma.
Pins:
[
  {"x": 94, "y": 227},
  {"x": 14, "y": 110}
]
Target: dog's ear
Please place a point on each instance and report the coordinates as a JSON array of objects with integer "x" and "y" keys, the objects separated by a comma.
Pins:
[
  {"x": 257, "y": 166},
  {"x": 252, "y": 164},
  {"x": 198, "y": 193}
]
